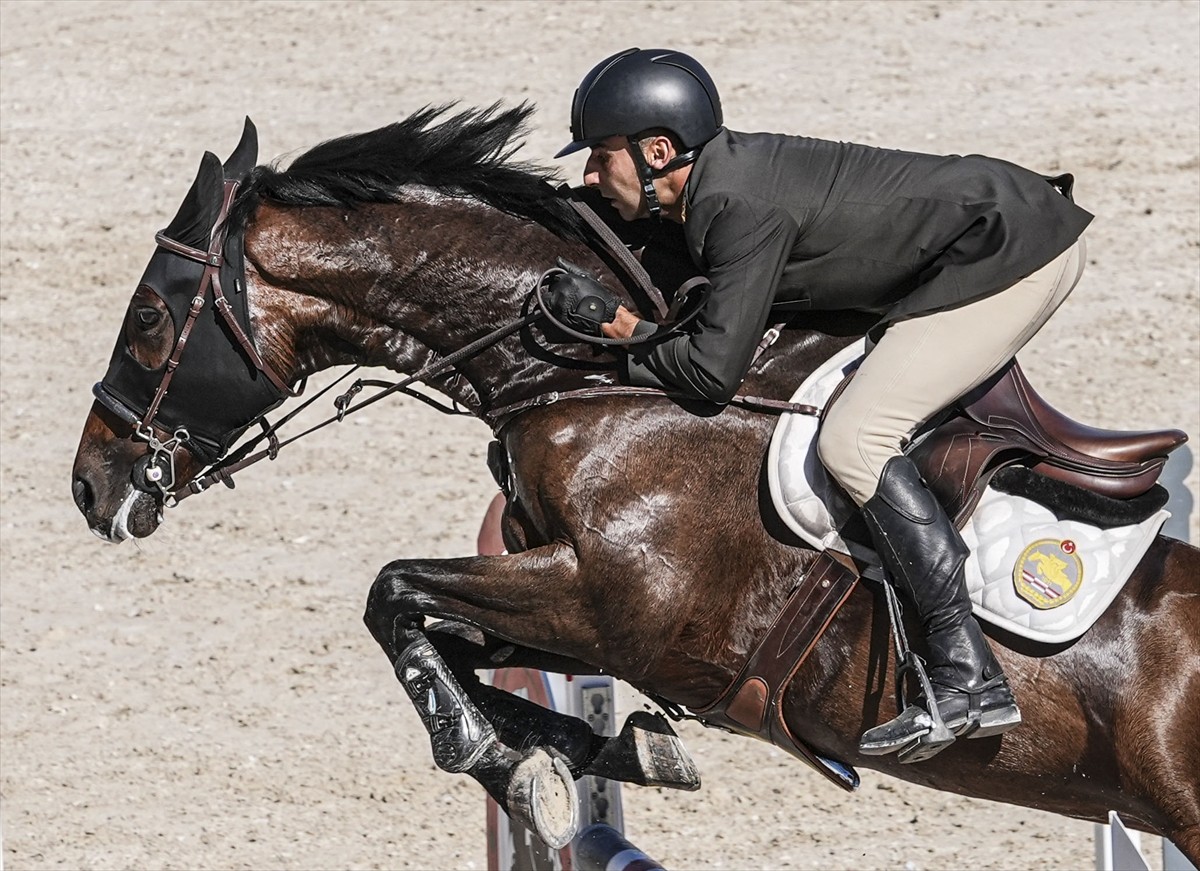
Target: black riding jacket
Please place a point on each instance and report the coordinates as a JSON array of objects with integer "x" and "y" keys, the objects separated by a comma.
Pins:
[{"x": 797, "y": 223}]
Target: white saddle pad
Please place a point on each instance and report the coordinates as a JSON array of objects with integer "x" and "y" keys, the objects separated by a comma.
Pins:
[{"x": 1030, "y": 572}]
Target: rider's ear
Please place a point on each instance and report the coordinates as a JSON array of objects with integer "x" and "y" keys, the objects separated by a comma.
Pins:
[{"x": 661, "y": 152}]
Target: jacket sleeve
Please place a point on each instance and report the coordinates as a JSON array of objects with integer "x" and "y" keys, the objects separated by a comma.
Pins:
[{"x": 746, "y": 245}]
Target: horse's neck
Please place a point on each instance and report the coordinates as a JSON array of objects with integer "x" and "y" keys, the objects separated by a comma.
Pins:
[{"x": 403, "y": 285}]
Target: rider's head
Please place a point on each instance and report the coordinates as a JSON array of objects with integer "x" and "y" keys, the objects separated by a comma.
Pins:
[{"x": 658, "y": 106}]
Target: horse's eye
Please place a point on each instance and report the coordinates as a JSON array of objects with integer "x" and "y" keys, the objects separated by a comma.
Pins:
[{"x": 147, "y": 318}]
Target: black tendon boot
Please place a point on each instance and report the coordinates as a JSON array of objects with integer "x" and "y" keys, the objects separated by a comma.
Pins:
[{"x": 923, "y": 555}]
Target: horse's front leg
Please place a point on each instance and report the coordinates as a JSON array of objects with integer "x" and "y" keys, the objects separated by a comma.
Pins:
[
  {"x": 647, "y": 751},
  {"x": 532, "y": 787}
]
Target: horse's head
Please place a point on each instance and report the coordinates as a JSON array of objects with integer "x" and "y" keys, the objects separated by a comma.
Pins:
[
  {"x": 398, "y": 247},
  {"x": 184, "y": 380}
]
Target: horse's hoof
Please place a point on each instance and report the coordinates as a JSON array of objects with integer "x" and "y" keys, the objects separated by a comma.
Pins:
[
  {"x": 542, "y": 797},
  {"x": 648, "y": 753}
]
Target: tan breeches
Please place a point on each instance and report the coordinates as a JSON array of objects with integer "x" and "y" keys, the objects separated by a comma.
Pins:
[{"x": 923, "y": 364}]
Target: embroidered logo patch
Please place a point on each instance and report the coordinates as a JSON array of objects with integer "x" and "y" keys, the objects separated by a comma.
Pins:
[{"x": 1048, "y": 573}]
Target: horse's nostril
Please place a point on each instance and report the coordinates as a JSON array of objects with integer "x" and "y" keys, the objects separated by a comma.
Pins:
[{"x": 82, "y": 491}]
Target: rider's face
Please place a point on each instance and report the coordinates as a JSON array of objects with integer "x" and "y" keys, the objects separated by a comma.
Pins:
[{"x": 611, "y": 170}]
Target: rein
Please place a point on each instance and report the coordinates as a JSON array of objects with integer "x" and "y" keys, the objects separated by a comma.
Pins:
[{"x": 241, "y": 458}]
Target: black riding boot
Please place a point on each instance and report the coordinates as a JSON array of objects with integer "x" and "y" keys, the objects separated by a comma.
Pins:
[{"x": 923, "y": 555}]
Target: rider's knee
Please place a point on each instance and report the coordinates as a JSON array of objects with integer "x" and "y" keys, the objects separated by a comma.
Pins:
[{"x": 853, "y": 455}]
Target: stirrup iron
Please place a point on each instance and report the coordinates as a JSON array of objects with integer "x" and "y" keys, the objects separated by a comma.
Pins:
[{"x": 917, "y": 733}]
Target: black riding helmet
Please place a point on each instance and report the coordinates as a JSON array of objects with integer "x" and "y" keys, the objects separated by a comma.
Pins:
[{"x": 639, "y": 89}]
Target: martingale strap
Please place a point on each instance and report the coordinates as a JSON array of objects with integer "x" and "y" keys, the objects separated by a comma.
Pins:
[{"x": 753, "y": 703}]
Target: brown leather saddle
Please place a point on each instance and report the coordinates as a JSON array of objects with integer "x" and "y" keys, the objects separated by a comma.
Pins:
[{"x": 1005, "y": 422}]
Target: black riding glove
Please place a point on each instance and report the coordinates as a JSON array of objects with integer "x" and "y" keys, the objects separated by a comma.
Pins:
[{"x": 579, "y": 300}]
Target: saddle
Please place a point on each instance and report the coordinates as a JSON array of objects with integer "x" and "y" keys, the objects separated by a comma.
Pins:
[{"x": 1005, "y": 422}]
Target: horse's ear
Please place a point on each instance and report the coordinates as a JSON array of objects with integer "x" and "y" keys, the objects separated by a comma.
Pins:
[
  {"x": 245, "y": 155},
  {"x": 201, "y": 207}
]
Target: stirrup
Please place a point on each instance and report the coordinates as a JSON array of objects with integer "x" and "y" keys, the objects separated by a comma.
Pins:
[{"x": 917, "y": 734}]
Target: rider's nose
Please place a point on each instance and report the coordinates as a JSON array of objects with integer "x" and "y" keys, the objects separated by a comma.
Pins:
[{"x": 81, "y": 490}]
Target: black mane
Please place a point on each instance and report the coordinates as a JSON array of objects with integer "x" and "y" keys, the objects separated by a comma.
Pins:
[{"x": 468, "y": 155}]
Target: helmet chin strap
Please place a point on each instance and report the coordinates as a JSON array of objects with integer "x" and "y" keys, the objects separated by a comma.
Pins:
[
  {"x": 647, "y": 174},
  {"x": 646, "y": 177}
]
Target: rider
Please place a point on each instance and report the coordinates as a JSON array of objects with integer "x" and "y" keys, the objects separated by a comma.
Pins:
[{"x": 962, "y": 259}]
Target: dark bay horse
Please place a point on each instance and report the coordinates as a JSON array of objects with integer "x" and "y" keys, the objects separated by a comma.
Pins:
[{"x": 640, "y": 539}]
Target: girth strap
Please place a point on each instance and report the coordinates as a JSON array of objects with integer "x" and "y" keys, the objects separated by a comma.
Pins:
[{"x": 753, "y": 703}]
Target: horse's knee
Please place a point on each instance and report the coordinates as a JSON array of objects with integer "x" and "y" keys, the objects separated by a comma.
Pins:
[{"x": 392, "y": 607}]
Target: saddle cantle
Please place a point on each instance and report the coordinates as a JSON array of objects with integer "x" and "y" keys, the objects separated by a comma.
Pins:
[{"x": 1005, "y": 421}]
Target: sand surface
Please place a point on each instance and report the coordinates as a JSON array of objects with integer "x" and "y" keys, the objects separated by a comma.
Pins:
[{"x": 208, "y": 697}]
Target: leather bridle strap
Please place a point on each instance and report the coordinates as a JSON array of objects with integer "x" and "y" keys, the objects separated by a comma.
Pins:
[
  {"x": 213, "y": 259},
  {"x": 173, "y": 362}
]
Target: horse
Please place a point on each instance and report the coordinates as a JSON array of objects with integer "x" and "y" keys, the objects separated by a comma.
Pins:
[{"x": 640, "y": 540}]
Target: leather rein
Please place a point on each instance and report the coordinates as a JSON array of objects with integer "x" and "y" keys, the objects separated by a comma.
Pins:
[{"x": 234, "y": 461}]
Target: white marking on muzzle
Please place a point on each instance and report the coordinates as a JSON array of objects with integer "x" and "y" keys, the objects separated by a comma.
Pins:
[{"x": 119, "y": 528}]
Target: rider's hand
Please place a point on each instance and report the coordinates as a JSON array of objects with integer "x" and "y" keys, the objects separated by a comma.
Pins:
[
  {"x": 622, "y": 326},
  {"x": 579, "y": 300}
]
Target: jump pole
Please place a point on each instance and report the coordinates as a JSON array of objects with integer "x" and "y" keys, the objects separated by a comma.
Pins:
[{"x": 603, "y": 848}]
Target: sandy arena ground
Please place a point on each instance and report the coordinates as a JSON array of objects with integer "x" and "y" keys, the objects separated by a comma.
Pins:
[{"x": 208, "y": 697}]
